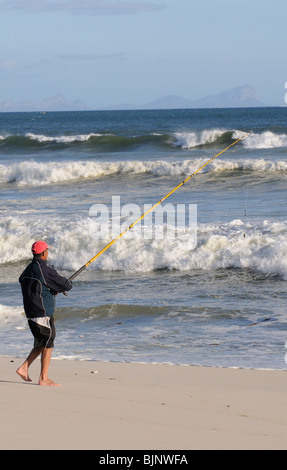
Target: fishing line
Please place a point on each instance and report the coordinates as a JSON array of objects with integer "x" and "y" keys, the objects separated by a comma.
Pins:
[{"x": 152, "y": 208}]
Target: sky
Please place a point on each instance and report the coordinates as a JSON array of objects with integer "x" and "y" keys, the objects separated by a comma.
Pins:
[{"x": 109, "y": 52}]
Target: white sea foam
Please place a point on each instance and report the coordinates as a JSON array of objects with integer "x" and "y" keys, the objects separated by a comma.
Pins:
[
  {"x": 12, "y": 315},
  {"x": 261, "y": 247},
  {"x": 264, "y": 140},
  {"x": 61, "y": 139},
  {"x": 189, "y": 140},
  {"x": 31, "y": 173},
  {"x": 237, "y": 244}
]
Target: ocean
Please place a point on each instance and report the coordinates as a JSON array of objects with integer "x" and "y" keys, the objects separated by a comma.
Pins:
[{"x": 211, "y": 292}]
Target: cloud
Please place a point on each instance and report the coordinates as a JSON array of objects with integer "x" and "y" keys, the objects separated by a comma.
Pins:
[
  {"x": 94, "y": 7},
  {"x": 95, "y": 56},
  {"x": 8, "y": 64}
]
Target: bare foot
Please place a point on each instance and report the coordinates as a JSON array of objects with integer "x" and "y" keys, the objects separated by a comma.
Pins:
[
  {"x": 23, "y": 372},
  {"x": 48, "y": 382}
]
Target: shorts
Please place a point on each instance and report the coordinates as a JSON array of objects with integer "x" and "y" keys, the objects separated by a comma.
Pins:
[{"x": 43, "y": 330}]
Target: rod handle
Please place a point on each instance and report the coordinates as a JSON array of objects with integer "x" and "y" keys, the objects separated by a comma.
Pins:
[{"x": 77, "y": 272}]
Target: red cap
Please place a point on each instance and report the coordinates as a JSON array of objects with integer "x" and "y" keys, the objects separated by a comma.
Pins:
[{"x": 39, "y": 247}]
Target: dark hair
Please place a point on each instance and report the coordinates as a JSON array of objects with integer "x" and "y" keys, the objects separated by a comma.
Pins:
[{"x": 38, "y": 255}]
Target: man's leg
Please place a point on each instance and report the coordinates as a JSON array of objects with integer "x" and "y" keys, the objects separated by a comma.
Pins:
[
  {"x": 45, "y": 362},
  {"x": 23, "y": 369}
]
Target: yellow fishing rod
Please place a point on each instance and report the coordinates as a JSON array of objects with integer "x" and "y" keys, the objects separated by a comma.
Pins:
[{"x": 152, "y": 208}]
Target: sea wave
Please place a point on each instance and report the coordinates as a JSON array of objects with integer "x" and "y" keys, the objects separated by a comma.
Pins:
[
  {"x": 188, "y": 139},
  {"x": 15, "y": 316},
  {"x": 239, "y": 244},
  {"x": 32, "y": 173},
  {"x": 262, "y": 140},
  {"x": 194, "y": 139},
  {"x": 90, "y": 141},
  {"x": 10, "y": 315}
]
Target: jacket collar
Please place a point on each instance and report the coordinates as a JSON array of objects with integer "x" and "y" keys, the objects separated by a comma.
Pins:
[{"x": 39, "y": 260}]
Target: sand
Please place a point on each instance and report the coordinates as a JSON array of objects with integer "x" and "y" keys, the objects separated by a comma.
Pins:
[{"x": 130, "y": 406}]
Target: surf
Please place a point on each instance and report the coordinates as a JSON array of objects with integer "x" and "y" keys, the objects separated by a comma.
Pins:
[
  {"x": 259, "y": 246},
  {"x": 33, "y": 173},
  {"x": 187, "y": 139}
]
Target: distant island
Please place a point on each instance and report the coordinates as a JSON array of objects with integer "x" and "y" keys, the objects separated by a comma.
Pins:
[
  {"x": 240, "y": 97},
  {"x": 55, "y": 103}
]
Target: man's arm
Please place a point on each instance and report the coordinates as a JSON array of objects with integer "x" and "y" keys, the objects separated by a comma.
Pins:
[{"x": 56, "y": 282}]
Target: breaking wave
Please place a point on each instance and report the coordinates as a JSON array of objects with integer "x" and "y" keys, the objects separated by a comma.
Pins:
[
  {"x": 32, "y": 173},
  {"x": 264, "y": 140},
  {"x": 238, "y": 244},
  {"x": 185, "y": 140}
]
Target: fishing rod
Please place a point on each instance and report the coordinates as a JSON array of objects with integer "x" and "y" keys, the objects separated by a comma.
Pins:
[{"x": 151, "y": 209}]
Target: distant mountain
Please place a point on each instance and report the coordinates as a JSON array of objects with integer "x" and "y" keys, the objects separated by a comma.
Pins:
[
  {"x": 54, "y": 103},
  {"x": 241, "y": 97},
  {"x": 244, "y": 96}
]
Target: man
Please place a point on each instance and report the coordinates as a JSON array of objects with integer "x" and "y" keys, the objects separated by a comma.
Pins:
[{"x": 40, "y": 283}]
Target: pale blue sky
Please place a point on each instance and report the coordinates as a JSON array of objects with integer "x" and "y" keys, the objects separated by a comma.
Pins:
[{"x": 135, "y": 51}]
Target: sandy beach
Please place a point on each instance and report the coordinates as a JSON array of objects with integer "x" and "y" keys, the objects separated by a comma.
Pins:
[{"x": 117, "y": 406}]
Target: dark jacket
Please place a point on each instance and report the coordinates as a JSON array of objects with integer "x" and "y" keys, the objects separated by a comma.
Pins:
[{"x": 40, "y": 283}]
